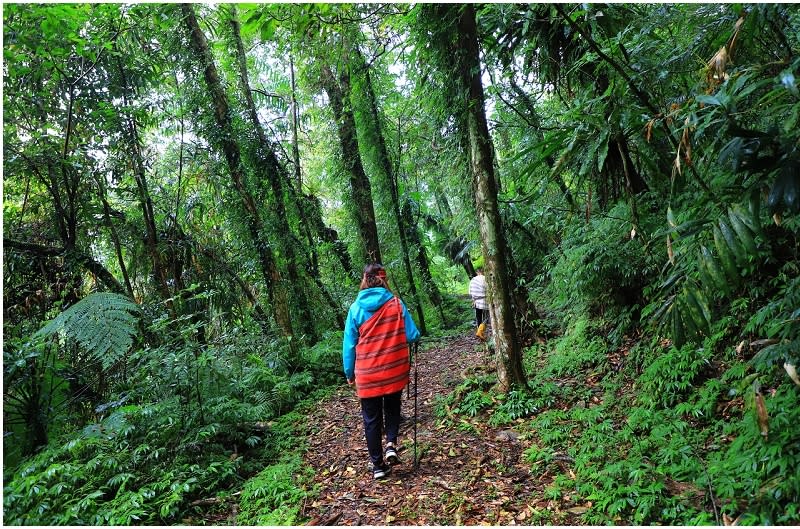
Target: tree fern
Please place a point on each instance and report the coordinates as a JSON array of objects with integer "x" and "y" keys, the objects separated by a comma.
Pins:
[{"x": 103, "y": 323}]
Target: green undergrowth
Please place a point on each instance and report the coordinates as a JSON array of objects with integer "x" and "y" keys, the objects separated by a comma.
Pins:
[
  {"x": 140, "y": 466},
  {"x": 275, "y": 495},
  {"x": 651, "y": 434}
]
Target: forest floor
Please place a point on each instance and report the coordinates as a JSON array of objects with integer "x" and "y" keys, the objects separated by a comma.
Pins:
[{"x": 469, "y": 473}]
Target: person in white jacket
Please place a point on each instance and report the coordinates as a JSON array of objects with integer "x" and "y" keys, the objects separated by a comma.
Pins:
[{"x": 477, "y": 291}]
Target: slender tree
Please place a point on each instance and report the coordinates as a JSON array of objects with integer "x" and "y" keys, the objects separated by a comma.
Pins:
[
  {"x": 232, "y": 151},
  {"x": 133, "y": 147},
  {"x": 466, "y": 74},
  {"x": 338, "y": 91},
  {"x": 101, "y": 188},
  {"x": 268, "y": 165},
  {"x": 376, "y": 137}
]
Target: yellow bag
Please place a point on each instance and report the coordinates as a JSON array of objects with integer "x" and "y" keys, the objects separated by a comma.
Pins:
[{"x": 481, "y": 332}]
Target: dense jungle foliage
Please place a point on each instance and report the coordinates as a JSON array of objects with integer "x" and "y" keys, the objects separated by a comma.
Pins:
[{"x": 191, "y": 191}]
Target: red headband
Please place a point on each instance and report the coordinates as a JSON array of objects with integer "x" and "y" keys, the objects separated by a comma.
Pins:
[{"x": 381, "y": 274}]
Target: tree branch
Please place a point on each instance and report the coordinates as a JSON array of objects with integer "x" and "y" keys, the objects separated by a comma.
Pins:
[
  {"x": 592, "y": 44},
  {"x": 97, "y": 269},
  {"x": 636, "y": 90}
]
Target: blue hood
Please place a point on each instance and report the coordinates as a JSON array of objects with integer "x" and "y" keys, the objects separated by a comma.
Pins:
[{"x": 371, "y": 299}]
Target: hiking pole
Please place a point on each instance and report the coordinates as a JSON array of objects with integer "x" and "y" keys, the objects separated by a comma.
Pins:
[{"x": 416, "y": 391}]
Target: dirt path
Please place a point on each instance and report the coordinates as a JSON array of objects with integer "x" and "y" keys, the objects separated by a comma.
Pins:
[{"x": 469, "y": 472}]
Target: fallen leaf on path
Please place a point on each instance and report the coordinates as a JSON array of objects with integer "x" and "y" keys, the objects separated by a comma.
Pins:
[{"x": 462, "y": 471}]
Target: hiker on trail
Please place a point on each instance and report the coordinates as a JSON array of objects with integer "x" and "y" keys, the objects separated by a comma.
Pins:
[
  {"x": 477, "y": 291},
  {"x": 376, "y": 359}
]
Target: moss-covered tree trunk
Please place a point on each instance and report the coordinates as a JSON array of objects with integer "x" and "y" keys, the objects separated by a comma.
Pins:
[
  {"x": 390, "y": 180},
  {"x": 339, "y": 94},
  {"x": 281, "y": 191},
  {"x": 276, "y": 292},
  {"x": 507, "y": 348}
]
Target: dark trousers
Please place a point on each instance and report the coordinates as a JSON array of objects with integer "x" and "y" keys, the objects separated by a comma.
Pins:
[
  {"x": 481, "y": 316},
  {"x": 373, "y": 410}
]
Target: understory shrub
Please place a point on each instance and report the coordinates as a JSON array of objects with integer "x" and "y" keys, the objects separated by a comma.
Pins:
[
  {"x": 683, "y": 449},
  {"x": 670, "y": 376},
  {"x": 125, "y": 470},
  {"x": 577, "y": 351},
  {"x": 673, "y": 437},
  {"x": 601, "y": 269},
  {"x": 515, "y": 404},
  {"x": 325, "y": 359},
  {"x": 140, "y": 467},
  {"x": 754, "y": 475}
]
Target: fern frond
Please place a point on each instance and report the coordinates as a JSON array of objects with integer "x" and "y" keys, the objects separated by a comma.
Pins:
[{"x": 103, "y": 323}]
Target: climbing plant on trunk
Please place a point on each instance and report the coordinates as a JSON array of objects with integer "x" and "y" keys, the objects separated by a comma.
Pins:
[
  {"x": 338, "y": 90},
  {"x": 232, "y": 151}
]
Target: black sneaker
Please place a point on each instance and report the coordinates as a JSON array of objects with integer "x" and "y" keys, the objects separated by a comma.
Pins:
[
  {"x": 390, "y": 455},
  {"x": 381, "y": 471}
]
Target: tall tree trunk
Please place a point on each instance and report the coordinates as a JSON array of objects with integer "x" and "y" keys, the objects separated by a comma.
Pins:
[
  {"x": 298, "y": 175},
  {"x": 633, "y": 178},
  {"x": 70, "y": 177},
  {"x": 428, "y": 284},
  {"x": 507, "y": 348},
  {"x": 64, "y": 188},
  {"x": 101, "y": 187},
  {"x": 271, "y": 166},
  {"x": 339, "y": 95},
  {"x": 298, "y": 178},
  {"x": 276, "y": 291},
  {"x": 151, "y": 239},
  {"x": 390, "y": 180}
]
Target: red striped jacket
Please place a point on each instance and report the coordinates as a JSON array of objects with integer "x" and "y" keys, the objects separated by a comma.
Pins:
[{"x": 382, "y": 364}]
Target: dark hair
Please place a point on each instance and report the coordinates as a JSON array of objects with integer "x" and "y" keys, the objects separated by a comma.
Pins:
[{"x": 374, "y": 276}]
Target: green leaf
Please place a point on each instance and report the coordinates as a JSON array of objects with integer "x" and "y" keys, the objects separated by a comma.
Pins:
[
  {"x": 671, "y": 218},
  {"x": 708, "y": 100},
  {"x": 743, "y": 232},
  {"x": 697, "y": 313},
  {"x": 714, "y": 269},
  {"x": 733, "y": 242},
  {"x": 103, "y": 323},
  {"x": 726, "y": 256},
  {"x": 268, "y": 29}
]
